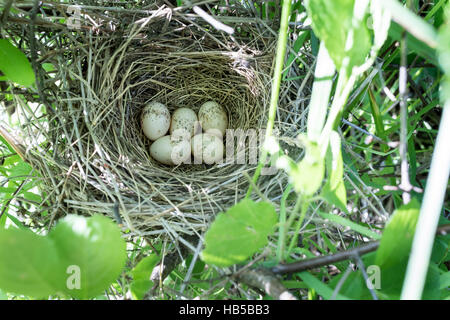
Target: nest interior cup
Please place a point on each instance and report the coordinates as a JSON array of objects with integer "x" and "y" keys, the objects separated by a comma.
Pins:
[{"x": 99, "y": 159}]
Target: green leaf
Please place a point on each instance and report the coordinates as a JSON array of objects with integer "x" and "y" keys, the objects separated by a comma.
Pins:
[
  {"x": 337, "y": 197},
  {"x": 381, "y": 20},
  {"x": 21, "y": 171},
  {"x": 354, "y": 286},
  {"x": 298, "y": 44},
  {"x": 32, "y": 196},
  {"x": 334, "y": 189},
  {"x": 16, "y": 221},
  {"x": 240, "y": 232},
  {"x": 397, "y": 237},
  {"x": 15, "y": 65},
  {"x": 144, "y": 268},
  {"x": 414, "y": 24},
  {"x": 92, "y": 246},
  {"x": 440, "y": 251},
  {"x": 393, "y": 252},
  {"x": 141, "y": 276},
  {"x": 342, "y": 26},
  {"x": 199, "y": 266},
  {"x": 445, "y": 280},
  {"x": 352, "y": 225},
  {"x": 331, "y": 22},
  {"x": 414, "y": 45},
  {"x": 335, "y": 164},
  {"x": 139, "y": 288},
  {"x": 29, "y": 264},
  {"x": 307, "y": 177},
  {"x": 324, "y": 290},
  {"x": 4, "y": 142},
  {"x": 12, "y": 159},
  {"x": 3, "y": 295}
]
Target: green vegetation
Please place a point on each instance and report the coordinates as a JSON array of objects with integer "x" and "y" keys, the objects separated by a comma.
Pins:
[{"x": 374, "y": 168}]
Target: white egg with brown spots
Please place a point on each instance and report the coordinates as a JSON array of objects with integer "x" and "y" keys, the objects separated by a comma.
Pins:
[
  {"x": 184, "y": 122},
  {"x": 207, "y": 148},
  {"x": 213, "y": 118},
  {"x": 155, "y": 120},
  {"x": 170, "y": 152}
]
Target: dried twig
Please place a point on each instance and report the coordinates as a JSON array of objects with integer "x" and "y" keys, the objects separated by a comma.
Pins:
[
  {"x": 265, "y": 280},
  {"x": 13, "y": 141},
  {"x": 5, "y": 14},
  {"x": 34, "y": 58},
  {"x": 312, "y": 263},
  {"x": 210, "y": 19}
]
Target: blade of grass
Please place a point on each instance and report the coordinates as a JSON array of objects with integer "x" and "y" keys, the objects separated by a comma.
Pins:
[
  {"x": 376, "y": 116},
  {"x": 414, "y": 44},
  {"x": 298, "y": 44},
  {"x": 412, "y": 23},
  {"x": 352, "y": 225},
  {"x": 277, "y": 75},
  {"x": 282, "y": 228},
  {"x": 325, "y": 291}
]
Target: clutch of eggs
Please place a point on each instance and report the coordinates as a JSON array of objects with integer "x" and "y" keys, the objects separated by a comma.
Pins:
[{"x": 186, "y": 135}]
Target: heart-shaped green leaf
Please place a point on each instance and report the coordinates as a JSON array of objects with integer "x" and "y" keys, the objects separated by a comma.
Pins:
[
  {"x": 91, "y": 249},
  {"x": 80, "y": 257},
  {"x": 29, "y": 264},
  {"x": 240, "y": 232}
]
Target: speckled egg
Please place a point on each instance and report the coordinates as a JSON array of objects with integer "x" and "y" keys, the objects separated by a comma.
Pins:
[
  {"x": 170, "y": 152},
  {"x": 213, "y": 118},
  {"x": 155, "y": 120},
  {"x": 184, "y": 121},
  {"x": 207, "y": 148}
]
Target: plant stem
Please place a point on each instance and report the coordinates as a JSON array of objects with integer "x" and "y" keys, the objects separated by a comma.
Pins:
[
  {"x": 305, "y": 205},
  {"x": 282, "y": 228},
  {"x": 277, "y": 74},
  {"x": 405, "y": 184},
  {"x": 343, "y": 88},
  {"x": 321, "y": 90},
  {"x": 429, "y": 212}
]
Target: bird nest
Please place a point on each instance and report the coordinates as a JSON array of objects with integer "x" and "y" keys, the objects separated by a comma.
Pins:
[{"x": 88, "y": 147}]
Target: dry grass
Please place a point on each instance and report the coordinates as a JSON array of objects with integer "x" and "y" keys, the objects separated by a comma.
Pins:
[{"x": 95, "y": 159}]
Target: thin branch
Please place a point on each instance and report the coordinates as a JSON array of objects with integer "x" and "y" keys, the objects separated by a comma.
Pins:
[
  {"x": 317, "y": 262},
  {"x": 168, "y": 264},
  {"x": 265, "y": 280},
  {"x": 362, "y": 268},
  {"x": 34, "y": 58},
  {"x": 378, "y": 139},
  {"x": 341, "y": 282},
  {"x": 5, "y": 14},
  {"x": 312, "y": 263},
  {"x": 13, "y": 196}
]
